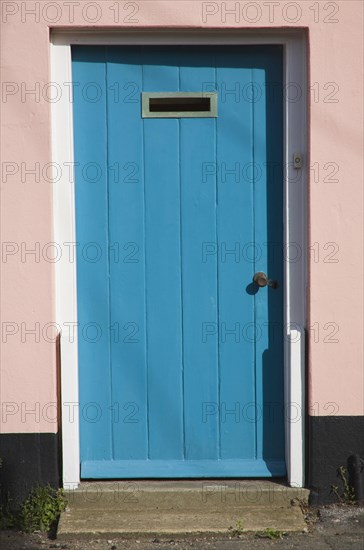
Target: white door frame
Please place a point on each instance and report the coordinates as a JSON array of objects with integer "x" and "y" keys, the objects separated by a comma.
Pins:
[{"x": 295, "y": 200}]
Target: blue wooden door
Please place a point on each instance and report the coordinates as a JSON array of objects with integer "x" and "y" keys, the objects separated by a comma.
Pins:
[{"x": 180, "y": 352}]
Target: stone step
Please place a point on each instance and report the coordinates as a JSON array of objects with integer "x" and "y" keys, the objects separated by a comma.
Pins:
[
  {"x": 200, "y": 506},
  {"x": 112, "y": 522},
  {"x": 182, "y": 495}
]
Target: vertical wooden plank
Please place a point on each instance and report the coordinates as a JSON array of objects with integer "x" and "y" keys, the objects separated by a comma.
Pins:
[
  {"x": 92, "y": 251},
  {"x": 163, "y": 264},
  {"x": 235, "y": 270},
  {"x": 127, "y": 254},
  {"x": 268, "y": 230},
  {"x": 199, "y": 264},
  {"x": 260, "y": 236}
]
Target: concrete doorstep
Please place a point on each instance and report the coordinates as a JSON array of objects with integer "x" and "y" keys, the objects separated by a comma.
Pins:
[{"x": 182, "y": 507}]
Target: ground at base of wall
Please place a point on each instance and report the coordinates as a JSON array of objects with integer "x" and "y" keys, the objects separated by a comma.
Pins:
[{"x": 332, "y": 527}]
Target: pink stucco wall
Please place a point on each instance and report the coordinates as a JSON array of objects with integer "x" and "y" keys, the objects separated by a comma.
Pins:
[{"x": 28, "y": 376}]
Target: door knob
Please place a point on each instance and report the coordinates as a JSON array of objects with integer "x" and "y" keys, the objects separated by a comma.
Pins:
[{"x": 261, "y": 279}]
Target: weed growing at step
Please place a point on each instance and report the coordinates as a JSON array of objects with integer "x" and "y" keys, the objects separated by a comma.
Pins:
[
  {"x": 39, "y": 512},
  {"x": 41, "y": 509},
  {"x": 347, "y": 495},
  {"x": 270, "y": 533},
  {"x": 237, "y": 530}
]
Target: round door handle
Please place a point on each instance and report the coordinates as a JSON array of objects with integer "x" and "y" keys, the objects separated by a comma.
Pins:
[{"x": 261, "y": 279}]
